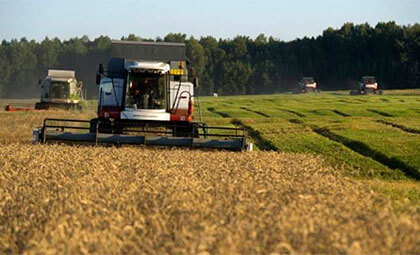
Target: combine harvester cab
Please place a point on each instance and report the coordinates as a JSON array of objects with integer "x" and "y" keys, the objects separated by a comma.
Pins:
[
  {"x": 307, "y": 85},
  {"x": 60, "y": 89},
  {"x": 146, "y": 97},
  {"x": 367, "y": 86}
]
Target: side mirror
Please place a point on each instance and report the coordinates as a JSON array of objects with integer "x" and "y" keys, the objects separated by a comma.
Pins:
[
  {"x": 101, "y": 69},
  {"x": 192, "y": 77},
  {"x": 98, "y": 78},
  {"x": 195, "y": 82},
  {"x": 192, "y": 73}
]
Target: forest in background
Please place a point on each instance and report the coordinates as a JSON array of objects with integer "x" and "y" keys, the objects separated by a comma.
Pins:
[{"x": 242, "y": 65}]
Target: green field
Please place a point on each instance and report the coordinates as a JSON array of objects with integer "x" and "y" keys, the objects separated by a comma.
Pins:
[{"x": 365, "y": 137}]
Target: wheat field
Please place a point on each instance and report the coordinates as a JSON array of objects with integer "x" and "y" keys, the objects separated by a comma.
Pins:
[
  {"x": 63, "y": 199},
  {"x": 58, "y": 199}
]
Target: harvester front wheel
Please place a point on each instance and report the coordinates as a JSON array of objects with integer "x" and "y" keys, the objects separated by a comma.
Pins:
[
  {"x": 103, "y": 126},
  {"x": 185, "y": 131},
  {"x": 41, "y": 106}
]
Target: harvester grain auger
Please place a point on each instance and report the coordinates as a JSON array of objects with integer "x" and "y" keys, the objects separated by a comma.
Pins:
[{"x": 146, "y": 97}]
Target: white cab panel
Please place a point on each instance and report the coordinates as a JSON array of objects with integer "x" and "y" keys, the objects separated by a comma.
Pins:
[
  {"x": 142, "y": 114},
  {"x": 187, "y": 89}
]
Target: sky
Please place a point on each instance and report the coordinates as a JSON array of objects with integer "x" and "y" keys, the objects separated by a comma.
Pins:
[{"x": 284, "y": 20}]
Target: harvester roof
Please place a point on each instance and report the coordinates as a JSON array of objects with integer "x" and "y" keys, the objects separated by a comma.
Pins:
[
  {"x": 148, "y": 51},
  {"x": 308, "y": 79},
  {"x": 369, "y": 79},
  {"x": 61, "y": 75},
  {"x": 124, "y": 52}
]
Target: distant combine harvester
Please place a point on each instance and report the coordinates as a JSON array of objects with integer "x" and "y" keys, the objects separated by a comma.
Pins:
[
  {"x": 367, "y": 86},
  {"x": 59, "y": 89},
  {"x": 307, "y": 85}
]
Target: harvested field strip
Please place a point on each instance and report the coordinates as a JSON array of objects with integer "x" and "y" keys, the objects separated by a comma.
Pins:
[
  {"x": 257, "y": 137},
  {"x": 384, "y": 114},
  {"x": 107, "y": 201},
  {"x": 299, "y": 122},
  {"x": 415, "y": 110},
  {"x": 341, "y": 113},
  {"x": 256, "y": 112},
  {"x": 317, "y": 112},
  {"x": 294, "y": 112},
  {"x": 401, "y": 127},
  {"x": 224, "y": 115},
  {"x": 364, "y": 150}
]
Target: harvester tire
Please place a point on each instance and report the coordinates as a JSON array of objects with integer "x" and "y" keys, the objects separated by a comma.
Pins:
[
  {"x": 186, "y": 131},
  {"x": 41, "y": 106},
  {"x": 104, "y": 127}
]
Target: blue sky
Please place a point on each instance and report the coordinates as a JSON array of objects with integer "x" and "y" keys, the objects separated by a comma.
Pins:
[{"x": 285, "y": 20}]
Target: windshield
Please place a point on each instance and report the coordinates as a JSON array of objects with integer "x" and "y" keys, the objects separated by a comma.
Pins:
[
  {"x": 308, "y": 80},
  {"x": 146, "y": 91},
  {"x": 60, "y": 90},
  {"x": 369, "y": 80}
]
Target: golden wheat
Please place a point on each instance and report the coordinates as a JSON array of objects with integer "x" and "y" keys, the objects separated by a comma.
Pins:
[
  {"x": 17, "y": 126},
  {"x": 68, "y": 199}
]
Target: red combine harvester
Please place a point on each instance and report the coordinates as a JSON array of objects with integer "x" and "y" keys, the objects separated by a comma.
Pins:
[
  {"x": 367, "y": 86},
  {"x": 146, "y": 97},
  {"x": 307, "y": 85}
]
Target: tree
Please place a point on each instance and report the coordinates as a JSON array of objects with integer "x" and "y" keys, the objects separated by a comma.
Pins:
[
  {"x": 337, "y": 59},
  {"x": 235, "y": 78},
  {"x": 175, "y": 37}
]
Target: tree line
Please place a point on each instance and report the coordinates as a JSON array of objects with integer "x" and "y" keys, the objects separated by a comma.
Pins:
[{"x": 242, "y": 65}]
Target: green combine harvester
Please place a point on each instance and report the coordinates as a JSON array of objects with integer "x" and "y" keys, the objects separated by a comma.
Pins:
[{"x": 60, "y": 89}]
